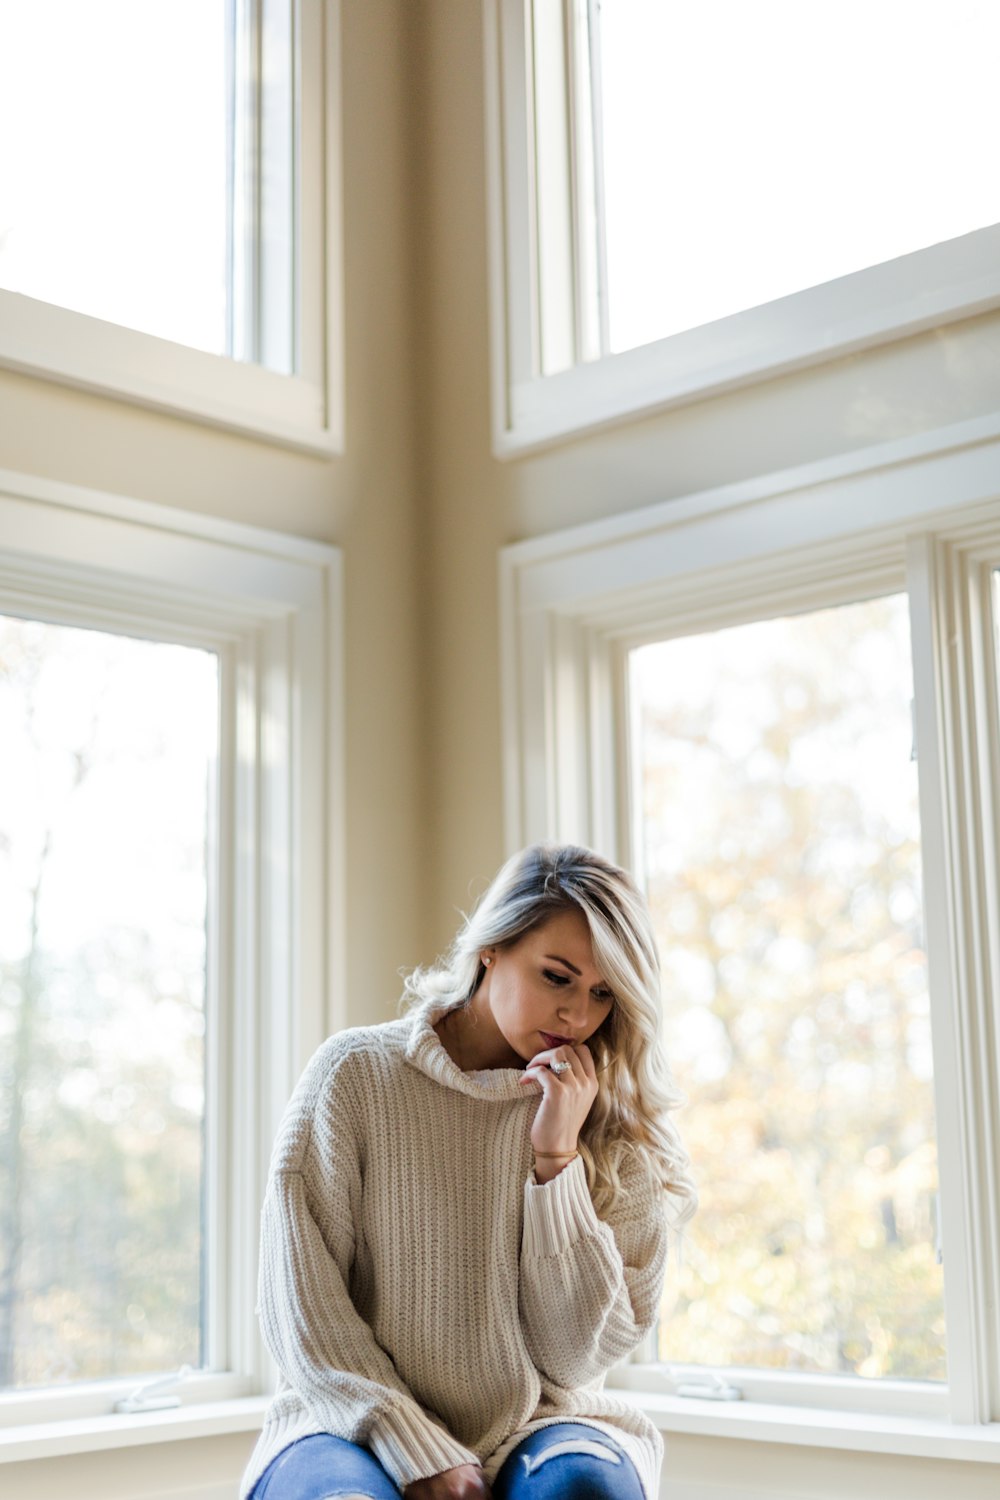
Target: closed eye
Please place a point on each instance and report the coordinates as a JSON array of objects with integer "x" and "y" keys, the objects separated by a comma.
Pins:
[{"x": 559, "y": 981}]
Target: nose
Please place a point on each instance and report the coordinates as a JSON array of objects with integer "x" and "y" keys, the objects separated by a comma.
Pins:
[{"x": 573, "y": 1015}]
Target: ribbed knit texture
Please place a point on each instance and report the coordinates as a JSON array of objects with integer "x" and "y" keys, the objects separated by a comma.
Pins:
[{"x": 420, "y": 1292}]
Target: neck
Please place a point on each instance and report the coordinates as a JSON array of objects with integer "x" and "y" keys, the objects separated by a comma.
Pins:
[{"x": 473, "y": 1040}]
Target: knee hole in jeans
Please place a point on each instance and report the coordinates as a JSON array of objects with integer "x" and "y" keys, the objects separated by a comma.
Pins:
[{"x": 571, "y": 1445}]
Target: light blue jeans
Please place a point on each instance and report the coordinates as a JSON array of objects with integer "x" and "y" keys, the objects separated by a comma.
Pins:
[{"x": 565, "y": 1459}]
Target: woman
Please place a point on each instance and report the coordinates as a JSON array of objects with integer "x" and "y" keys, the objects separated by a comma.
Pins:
[{"x": 467, "y": 1214}]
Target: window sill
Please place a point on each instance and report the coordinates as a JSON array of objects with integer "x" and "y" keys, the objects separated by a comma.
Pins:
[
  {"x": 72, "y": 348},
  {"x": 881, "y": 304},
  {"x": 754, "y": 1421},
  {"x": 915, "y": 1437},
  {"x": 90, "y": 1434}
]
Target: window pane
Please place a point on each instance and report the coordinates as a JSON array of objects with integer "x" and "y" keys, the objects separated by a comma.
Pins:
[
  {"x": 754, "y": 150},
  {"x": 780, "y": 830},
  {"x": 107, "y": 764},
  {"x": 114, "y": 199}
]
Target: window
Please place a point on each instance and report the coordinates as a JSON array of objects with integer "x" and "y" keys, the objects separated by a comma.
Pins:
[
  {"x": 685, "y": 198},
  {"x": 889, "y": 151},
  {"x": 167, "y": 713},
  {"x": 144, "y": 208},
  {"x": 778, "y": 834},
  {"x": 719, "y": 696},
  {"x": 195, "y": 277},
  {"x": 108, "y": 821}
]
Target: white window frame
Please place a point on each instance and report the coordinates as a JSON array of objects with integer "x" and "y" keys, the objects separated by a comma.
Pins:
[
  {"x": 303, "y": 411},
  {"x": 928, "y": 288},
  {"x": 921, "y": 513},
  {"x": 271, "y": 606}
]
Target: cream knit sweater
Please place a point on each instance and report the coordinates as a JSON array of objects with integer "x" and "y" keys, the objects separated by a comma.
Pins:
[{"x": 420, "y": 1292}]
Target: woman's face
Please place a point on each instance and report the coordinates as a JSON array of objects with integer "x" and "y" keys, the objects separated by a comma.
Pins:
[{"x": 545, "y": 986}]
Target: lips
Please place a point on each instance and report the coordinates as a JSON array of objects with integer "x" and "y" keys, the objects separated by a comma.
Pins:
[{"x": 555, "y": 1041}]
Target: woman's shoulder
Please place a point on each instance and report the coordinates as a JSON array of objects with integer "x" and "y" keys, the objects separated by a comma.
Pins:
[
  {"x": 355, "y": 1052},
  {"x": 332, "y": 1090}
]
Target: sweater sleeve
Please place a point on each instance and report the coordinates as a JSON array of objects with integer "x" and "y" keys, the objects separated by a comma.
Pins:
[
  {"x": 325, "y": 1350},
  {"x": 589, "y": 1290}
]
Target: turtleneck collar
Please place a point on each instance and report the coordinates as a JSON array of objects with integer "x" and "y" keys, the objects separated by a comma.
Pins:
[{"x": 425, "y": 1051}]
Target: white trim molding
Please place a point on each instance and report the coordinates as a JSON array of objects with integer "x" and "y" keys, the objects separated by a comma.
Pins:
[
  {"x": 270, "y": 606},
  {"x": 304, "y": 410},
  {"x": 531, "y": 410},
  {"x": 920, "y": 515}
]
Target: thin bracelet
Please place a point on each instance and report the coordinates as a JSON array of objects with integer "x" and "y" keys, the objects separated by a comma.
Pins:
[{"x": 569, "y": 1155}]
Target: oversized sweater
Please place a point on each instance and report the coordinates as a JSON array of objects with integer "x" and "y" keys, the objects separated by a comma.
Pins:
[{"x": 420, "y": 1292}]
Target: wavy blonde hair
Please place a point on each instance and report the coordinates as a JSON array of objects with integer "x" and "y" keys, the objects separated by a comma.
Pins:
[{"x": 630, "y": 1116}]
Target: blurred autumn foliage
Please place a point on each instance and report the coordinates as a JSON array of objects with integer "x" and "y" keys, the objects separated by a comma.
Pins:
[
  {"x": 782, "y": 860},
  {"x": 101, "y": 1014}
]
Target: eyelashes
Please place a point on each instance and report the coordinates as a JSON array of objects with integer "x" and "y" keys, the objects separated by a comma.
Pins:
[{"x": 560, "y": 981}]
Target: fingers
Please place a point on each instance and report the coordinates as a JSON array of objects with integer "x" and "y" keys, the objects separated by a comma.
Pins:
[
  {"x": 578, "y": 1056},
  {"x": 466, "y": 1482},
  {"x": 581, "y": 1072}
]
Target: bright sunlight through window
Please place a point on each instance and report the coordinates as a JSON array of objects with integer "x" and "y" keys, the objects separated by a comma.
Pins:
[
  {"x": 752, "y": 150},
  {"x": 114, "y": 192},
  {"x": 779, "y": 829},
  {"x": 108, "y": 760}
]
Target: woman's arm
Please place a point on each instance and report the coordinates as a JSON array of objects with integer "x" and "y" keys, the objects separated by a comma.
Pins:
[
  {"x": 589, "y": 1290},
  {"x": 323, "y": 1347}
]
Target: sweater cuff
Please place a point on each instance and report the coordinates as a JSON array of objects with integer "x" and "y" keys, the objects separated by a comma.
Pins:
[
  {"x": 411, "y": 1446},
  {"x": 558, "y": 1213}
]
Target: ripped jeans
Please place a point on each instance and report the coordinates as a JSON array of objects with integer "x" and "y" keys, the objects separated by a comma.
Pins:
[{"x": 553, "y": 1463}]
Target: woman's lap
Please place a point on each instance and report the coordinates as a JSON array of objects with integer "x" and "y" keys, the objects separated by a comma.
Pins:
[{"x": 566, "y": 1458}]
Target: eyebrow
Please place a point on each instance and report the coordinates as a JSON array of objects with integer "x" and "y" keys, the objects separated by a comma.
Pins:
[{"x": 558, "y": 958}]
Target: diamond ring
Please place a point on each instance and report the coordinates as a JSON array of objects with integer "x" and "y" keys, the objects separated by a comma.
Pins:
[{"x": 559, "y": 1066}]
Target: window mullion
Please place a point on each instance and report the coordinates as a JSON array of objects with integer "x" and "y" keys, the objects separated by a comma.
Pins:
[
  {"x": 246, "y": 170},
  {"x": 232, "y": 104},
  {"x": 596, "y": 129},
  {"x": 552, "y": 154},
  {"x": 583, "y": 140},
  {"x": 983, "y": 825},
  {"x": 950, "y": 908},
  {"x": 221, "y": 1138},
  {"x": 276, "y": 185}
]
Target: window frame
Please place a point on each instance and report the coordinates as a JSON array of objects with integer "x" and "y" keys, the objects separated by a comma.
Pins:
[
  {"x": 922, "y": 513},
  {"x": 925, "y": 289},
  {"x": 272, "y": 607},
  {"x": 304, "y": 411}
]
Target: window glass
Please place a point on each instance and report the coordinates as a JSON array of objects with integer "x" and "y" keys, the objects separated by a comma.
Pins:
[
  {"x": 114, "y": 187},
  {"x": 754, "y": 150},
  {"x": 778, "y": 824},
  {"x": 108, "y": 760}
]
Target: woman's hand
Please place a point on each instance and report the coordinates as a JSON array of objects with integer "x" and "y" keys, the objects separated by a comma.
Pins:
[
  {"x": 464, "y": 1483},
  {"x": 568, "y": 1096}
]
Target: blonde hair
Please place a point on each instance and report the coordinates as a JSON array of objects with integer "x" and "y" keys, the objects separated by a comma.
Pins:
[{"x": 629, "y": 1117}]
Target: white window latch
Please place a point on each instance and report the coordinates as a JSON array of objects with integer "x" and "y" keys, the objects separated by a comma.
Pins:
[
  {"x": 149, "y": 1396},
  {"x": 711, "y": 1388}
]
